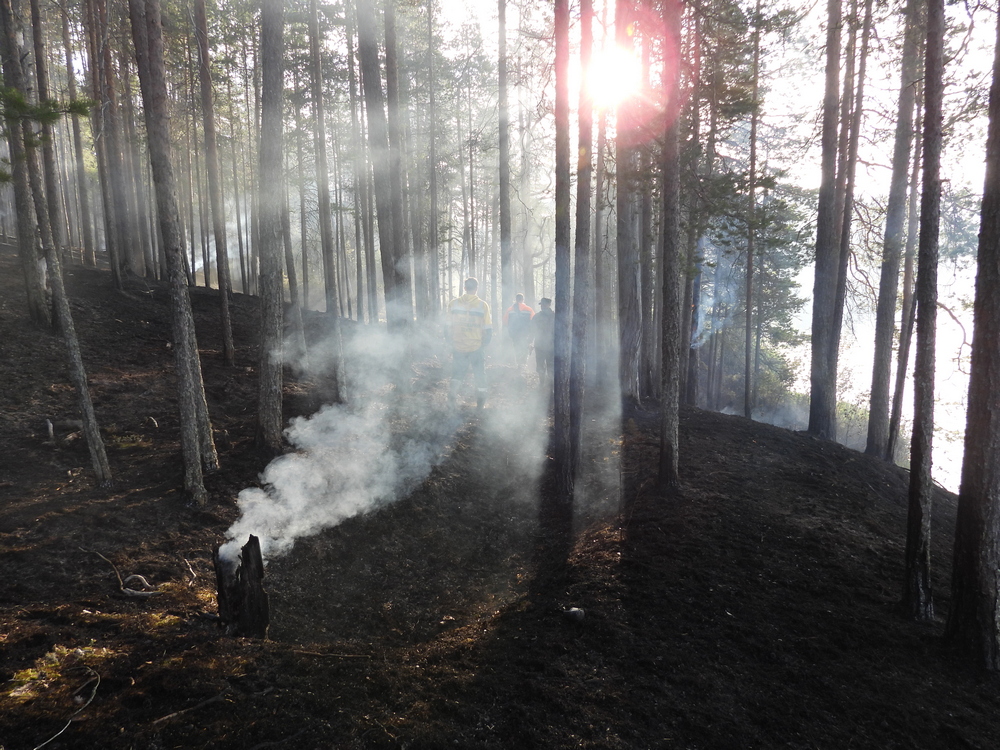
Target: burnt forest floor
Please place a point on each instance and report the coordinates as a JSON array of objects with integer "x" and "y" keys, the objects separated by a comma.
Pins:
[{"x": 756, "y": 609}]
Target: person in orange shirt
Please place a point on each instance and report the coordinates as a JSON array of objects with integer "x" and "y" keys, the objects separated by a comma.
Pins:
[
  {"x": 470, "y": 330},
  {"x": 517, "y": 323}
]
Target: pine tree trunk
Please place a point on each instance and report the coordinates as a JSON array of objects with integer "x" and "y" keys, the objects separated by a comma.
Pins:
[
  {"x": 671, "y": 257},
  {"x": 32, "y": 260},
  {"x": 268, "y": 437},
  {"x": 690, "y": 353},
  {"x": 748, "y": 402},
  {"x": 64, "y": 317},
  {"x": 397, "y": 169},
  {"x": 603, "y": 323},
  {"x": 629, "y": 307},
  {"x": 244, "y": 281},
  {"x": 363, "y": 240},
  {"x": 120, "y": 239},
  {"x": 300, "y": 185},
  {"x": 908, "y": 307},
  {"x": 105, "y": 207},
  {"x": 893, "y": 240},
  {"x": 392, "y": 276},
  {"x": 55, "y": 221},
  {"x": 823, "y": 380},
  {"x": 214, "y": 183},
  {"x": 648, "y": 372},
  {"x": 138, "y": 203},
  {"x": 857, "y": 111},
  {"x": 197, "y": 446},
  {"x": 558, "y": 510},
  {"x": 78, "y": 374},
  {"x": 433, "y": 218},
  {"x": 506, "y": 266},
  {"x": 917, "y": 602},
  {"x": 973, "y": 622},
  {"x": 322, "y": 169},
  {"x": 86, "y": 227},
  {"x": 582, "y": 275}
]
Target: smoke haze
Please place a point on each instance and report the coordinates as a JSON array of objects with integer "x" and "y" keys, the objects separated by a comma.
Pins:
[{"x": 393, "y": 430}]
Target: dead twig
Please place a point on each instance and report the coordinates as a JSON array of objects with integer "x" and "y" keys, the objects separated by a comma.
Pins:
[
  {"x": 207, "y": 701},
  {"x": 122, "y": 582},
  {"x": 339, "y": 656},
  {"x": 95, "y": 680},
  {"x": 273, "y": 743},
  {"x": 194, "y": 576}
]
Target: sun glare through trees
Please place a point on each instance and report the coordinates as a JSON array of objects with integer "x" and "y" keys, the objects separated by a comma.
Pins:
[{"x": 615, "y": 75}]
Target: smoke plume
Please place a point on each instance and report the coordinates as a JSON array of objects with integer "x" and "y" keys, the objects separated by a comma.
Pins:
[{"x": 352, "y": 458}]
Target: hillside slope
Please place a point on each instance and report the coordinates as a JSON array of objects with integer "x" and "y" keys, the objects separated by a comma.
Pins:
[{"x": 755, "y": 610}]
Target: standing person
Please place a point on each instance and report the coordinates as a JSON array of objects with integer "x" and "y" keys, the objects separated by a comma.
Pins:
[
  {"x": 517, "y": 323},
  {"x": 470, "y": 329},
  {"x": 543, "y": 333}
]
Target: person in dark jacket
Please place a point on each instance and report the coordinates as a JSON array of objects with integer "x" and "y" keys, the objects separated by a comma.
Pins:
[
  {"x": 543, "y": 335},
  {"x": 517, "y": 323}
]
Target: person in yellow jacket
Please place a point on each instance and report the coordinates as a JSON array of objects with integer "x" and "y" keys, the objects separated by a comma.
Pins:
[{"x": 470, "y": 330}]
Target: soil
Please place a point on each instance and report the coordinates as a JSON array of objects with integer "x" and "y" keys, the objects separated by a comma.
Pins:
[{"x": 755, "y": 608}]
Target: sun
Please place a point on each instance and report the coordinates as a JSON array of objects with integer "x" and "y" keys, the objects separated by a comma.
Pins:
[{"x": 615, "y": 75}]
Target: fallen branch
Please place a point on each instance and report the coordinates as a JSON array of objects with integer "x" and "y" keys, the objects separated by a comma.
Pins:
[
  {"x": 122, "y": 583},
  {"x": 213, "y": 699},
  {"x": 338, "y": 656},
  {"x": 194, "y": 576}
]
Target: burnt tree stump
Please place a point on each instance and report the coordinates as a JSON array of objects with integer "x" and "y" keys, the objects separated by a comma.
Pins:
[{"x": 243, "y": 605}]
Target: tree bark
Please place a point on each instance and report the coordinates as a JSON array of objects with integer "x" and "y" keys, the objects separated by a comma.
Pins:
[
  {"x": 55, "y": 222},
  {"x": 908, "y": 307},
  {"x": 120, "y": 245},
  {"x": 392, "y": 276},
  {"x": 196, "y": 435},
  {"x": 322, "y": 168},
  {"x": 506, "y": 265},
  {"x": 86, "y": 226},
  {"x": 32, "y": 260},
  {"x": 214, "y": 183},
  {"x": 78, "y": 373},
  {"x": 751, "y": 219},
  {"x": 629, "y": 308},
  {"x": 397, "y": 170},
  {"x": 823, "y": 380},
  {"x": 244, "y": 610},
  {"x": 559, "y": 511},
  {"x": 973, "y": 621},
  {"x": 671, "y": 255},
  {"x": 433, "y": 219},
  {"x": 648, "y": 381},
  {"x": 849, "y": 172},
  {"x": 893, "y": 240},
  {"x": 690, "y": 353},
  {"x": 137, "y": 196},
  {"x": 603, "y": 337},
  {"x": 268, "y": 436},
  {"x": 917, "y": 600},
  {"x": 582, "y": 275}
]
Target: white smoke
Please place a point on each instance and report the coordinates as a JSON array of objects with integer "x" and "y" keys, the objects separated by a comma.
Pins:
[{"x": 347, "y": 459}]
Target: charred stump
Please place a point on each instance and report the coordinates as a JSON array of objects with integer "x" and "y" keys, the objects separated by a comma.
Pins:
[{"x": 243, "y": 606}]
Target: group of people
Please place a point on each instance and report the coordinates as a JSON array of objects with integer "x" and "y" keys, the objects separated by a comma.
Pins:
[{"x": 470, "y": 330}]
